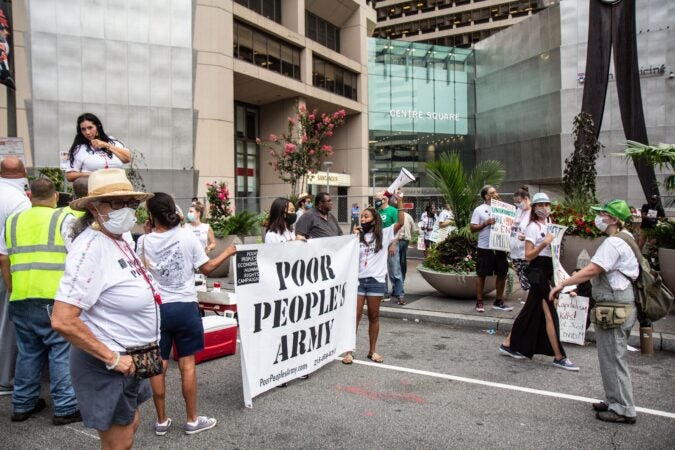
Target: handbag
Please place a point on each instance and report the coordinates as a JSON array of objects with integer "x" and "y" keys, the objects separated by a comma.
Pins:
[
  {"x": 147, "y": 360},
  {"x": 610, "y": 315}
]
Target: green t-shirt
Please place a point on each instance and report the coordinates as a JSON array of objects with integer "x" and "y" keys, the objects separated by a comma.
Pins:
[{"x": 389, "y": 216}]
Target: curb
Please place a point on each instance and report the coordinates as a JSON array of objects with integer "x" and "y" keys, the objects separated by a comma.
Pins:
[{"x": 662, "y": 341}]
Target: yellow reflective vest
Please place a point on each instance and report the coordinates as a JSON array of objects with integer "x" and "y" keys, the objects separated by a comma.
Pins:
[
  {"x": 37, "y": 253},
  {"x": 69, "y": 210}
]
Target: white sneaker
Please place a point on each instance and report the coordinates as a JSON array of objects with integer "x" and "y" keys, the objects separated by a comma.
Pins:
[
  {"x": 162, "y": 428},
  {"x": 203, "y": 424}
]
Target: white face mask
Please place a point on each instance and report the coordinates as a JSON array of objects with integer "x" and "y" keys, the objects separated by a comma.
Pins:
[
  {"x": 600, "y": 224},
  {"x": 120, "y": 221},
  {"x": 542, "y": 211},
  {"x": 518, "y": 205}
]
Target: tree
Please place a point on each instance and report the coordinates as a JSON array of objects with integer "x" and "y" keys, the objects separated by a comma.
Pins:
[
  {"x": 299, "y": 151},
  {"x": 580, "y": 171}
]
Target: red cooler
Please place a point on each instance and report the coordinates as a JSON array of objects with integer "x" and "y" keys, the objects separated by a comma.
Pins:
[{"x": 220, "y": 338}]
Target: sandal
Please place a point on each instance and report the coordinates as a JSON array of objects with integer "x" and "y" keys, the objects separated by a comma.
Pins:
[
  {"x": 376, "y": 357},
  {"x": 600, "y": 406},
  {"x": 348, "y": 359}
]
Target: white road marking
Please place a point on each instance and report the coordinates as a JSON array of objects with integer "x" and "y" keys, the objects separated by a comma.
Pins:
[
  {"x": 511, "y": 387},
  {"x": 83, "y": 432}
]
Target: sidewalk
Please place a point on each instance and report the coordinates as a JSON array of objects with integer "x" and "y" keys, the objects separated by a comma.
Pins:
[{"x": 424, "y": 303}]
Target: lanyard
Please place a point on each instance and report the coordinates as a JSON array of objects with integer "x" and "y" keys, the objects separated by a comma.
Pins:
[{"x": 137, "y": 264}]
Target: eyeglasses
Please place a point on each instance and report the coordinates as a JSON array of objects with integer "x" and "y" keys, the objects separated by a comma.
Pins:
[{"x": 117, "y": 203}]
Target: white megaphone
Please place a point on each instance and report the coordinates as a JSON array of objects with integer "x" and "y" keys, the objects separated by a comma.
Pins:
[{"x": 403, "y": 178}]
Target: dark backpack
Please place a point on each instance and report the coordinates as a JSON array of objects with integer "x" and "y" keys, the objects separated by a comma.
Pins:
[{"x": 652, "y": 298}]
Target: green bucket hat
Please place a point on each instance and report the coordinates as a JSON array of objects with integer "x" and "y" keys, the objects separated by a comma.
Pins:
[{"x": 616, "y": 208}]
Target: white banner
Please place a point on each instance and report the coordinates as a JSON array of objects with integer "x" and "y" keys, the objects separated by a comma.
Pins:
[
  {"x": 572, "y": 313},
  {"x": 296, "y": 303},
  {"x": 500, "y": 232}
]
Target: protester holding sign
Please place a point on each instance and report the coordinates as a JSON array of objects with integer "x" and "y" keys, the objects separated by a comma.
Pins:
[
  {"x": 611, "y": 271},
  {"x": 171, "y": 254},
  {"x": 93, "y": 149},
  {"x": 490, "y": 262},
  {"x": 536, "y": 329},
  {"x": 521, "y": 199},
  {"x": 373, "y": 243}
]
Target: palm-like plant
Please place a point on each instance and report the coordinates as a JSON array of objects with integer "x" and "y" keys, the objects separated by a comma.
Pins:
[
  {"x": 460, "y": 188},
  {"x": 660, "y": 156}
]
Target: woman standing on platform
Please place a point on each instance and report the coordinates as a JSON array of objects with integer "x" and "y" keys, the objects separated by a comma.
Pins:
[
  {"x": 203, "y": 231},
  {"x": 373, "y": 244},
  {"x": 536, "y": 329},
  {"x": 172, "y": 254},
  {"x": 93, "y": 149}
]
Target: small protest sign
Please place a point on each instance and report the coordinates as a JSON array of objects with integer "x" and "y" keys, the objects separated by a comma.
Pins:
[
  {"x": 572, "y": 314},
  {"x": 500, "y": 231}
]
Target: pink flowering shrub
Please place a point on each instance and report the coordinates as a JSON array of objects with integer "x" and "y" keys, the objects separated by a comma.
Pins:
[
  {"x": 300, "y": 150},
  {"x": 218, "y": 196}
]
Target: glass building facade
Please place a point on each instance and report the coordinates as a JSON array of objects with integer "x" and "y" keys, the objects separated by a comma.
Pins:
[{"x": 421, "y": 103}]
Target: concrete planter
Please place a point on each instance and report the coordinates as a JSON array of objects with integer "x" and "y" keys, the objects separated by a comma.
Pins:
[
  {"x": 573, "y": 245},
  {"x": 667, "y": 264},
  {"x": 221, "y": 244},
  {"x": 455, "y": 285}
]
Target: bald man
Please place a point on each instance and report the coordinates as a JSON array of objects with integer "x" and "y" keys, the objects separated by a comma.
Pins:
[{"x": 12, "y": 192}]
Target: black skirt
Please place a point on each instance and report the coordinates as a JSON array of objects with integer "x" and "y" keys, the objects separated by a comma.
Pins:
[{"x": 528, "y": 334}]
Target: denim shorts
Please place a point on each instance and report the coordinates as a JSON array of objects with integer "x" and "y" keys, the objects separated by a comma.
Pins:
[
  {"x": 370, "y": 287},
  {"x": 182, "y": 325}
]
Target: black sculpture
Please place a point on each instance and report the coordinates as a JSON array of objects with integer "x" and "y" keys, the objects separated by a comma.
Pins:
[{"x": 612, "y": 25}]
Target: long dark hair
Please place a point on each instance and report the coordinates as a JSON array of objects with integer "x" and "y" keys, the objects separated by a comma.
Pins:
[
  {"x": 163, "y": 210},
  {"x": 81, "y": 224},
  {"x": 523, "y": 192},
  {"x": 377, "y": 230},
  {"x": 277, "y": 220},
  {"x": 81, "y": 140}
]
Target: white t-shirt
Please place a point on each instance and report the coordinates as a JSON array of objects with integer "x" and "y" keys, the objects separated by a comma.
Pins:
[
  {"x": 616, "y": 257},
  {"x": 103, "y": 280},
  {"x": 88, "y": 159},
  {"x": 172, "y": 258},
  {"x": 480, "y": 215},
  {"x": 276, "y": 238},
  {"x": 445, "y": 215},
  {"x": 202, "y": 233},
  {"x": 373, "y": 264},
  {"x": 519, "y": 226},
  {"x": 536, "y": 233},
  {"x": 426, "y": 225}
]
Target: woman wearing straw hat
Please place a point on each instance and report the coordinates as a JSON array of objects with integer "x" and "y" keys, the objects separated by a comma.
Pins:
[
  {"x": 106, "y": 304},
  {"x": 536, "y": 329}
]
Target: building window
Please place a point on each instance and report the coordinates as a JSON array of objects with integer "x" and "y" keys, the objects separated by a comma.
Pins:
[
  {"x": 321, "y": 31},
  {"x": 266, "y": 51},
  {"x": 268, "y": 8},
  {"x": 333, "y": 78},
  {"x": 246, "y": 158}
]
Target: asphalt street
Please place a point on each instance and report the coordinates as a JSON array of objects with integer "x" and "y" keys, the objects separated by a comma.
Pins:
[{"x": 439, "y": 387}]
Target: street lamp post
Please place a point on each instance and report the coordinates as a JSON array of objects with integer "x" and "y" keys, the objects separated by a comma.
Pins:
[
  {"x": 374, "y": 171},
  {"x": 328, "y": 165}
]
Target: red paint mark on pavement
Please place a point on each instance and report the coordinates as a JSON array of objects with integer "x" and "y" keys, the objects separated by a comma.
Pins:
[
  {"x": 375, "y": 395},
  {"x": 370, "y": 413}
]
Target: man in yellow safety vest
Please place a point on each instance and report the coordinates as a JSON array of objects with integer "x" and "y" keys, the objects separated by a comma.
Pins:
[{"x": 32, "y": 260}]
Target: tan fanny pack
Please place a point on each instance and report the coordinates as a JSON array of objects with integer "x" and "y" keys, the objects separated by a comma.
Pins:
[{"x": 610, "y": 315}]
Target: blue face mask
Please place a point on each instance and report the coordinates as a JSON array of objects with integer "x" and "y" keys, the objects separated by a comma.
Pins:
[
  {"x": 308, "y": 205},
  {"x": 378, "y": 203},
  {"x": 190, "y": 217}
]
